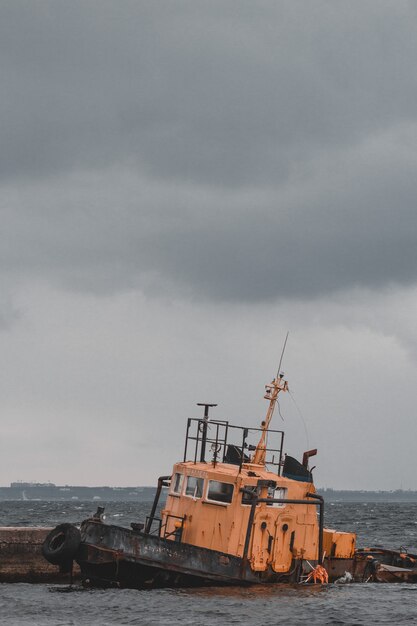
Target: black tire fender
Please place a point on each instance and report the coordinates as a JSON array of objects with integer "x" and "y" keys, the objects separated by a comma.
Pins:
[{"x": 61, "y": 545}]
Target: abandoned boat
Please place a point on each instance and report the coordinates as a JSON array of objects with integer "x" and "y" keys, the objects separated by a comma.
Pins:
[{"x": 236, "y": 513}]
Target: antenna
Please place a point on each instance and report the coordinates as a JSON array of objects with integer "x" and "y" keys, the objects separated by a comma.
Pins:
[
  {"x": 282, "y": 353},
  {"x": 204, "y": 423}
]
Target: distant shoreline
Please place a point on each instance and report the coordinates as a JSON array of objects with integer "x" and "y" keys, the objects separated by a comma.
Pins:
[
  {"x": 51, "y": 492},
  {"x": 347, "y": 495}
]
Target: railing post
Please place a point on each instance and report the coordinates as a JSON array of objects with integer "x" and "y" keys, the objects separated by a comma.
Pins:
[
  {"x": 321, "y": 524},
  {"x": 242, "y": 453},
  {"x": 186, "y": 438},
  {"x": 248, "y": 532},
  {"x": 204, "y": 432},
  {"x": 161, "y": 483}
]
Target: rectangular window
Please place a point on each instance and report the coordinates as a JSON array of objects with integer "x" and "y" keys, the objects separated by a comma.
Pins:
[
  {"x": 220, "y": 492},
  {"x": 194, "y": 487},
  {"x": 279, "y": 492},
  {"x": 177, "y": 483}
]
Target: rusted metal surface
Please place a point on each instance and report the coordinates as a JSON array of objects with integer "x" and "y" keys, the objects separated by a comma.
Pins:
[
  {"x": 116, "y": 556},
  {"x": 21, "y": 559},
  {"x": 382, "y": 565},
  {"x": 391, "y": 574},
  {"x": 137, "y": 559},
  {"x": 337, "y": 567}
]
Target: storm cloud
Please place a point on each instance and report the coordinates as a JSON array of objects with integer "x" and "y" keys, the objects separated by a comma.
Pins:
[
  {"x": 226, "y": 150},
  {"x": 180, "y": 183}
]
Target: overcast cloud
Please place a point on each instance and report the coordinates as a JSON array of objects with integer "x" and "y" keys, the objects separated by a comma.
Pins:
[{"x": 203, "y": 176}]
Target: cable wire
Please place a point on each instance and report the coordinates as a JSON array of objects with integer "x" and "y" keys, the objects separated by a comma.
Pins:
[{"x": 301, "y": 416}]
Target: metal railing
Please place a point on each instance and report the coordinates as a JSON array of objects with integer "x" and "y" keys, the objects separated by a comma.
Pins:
[
  {"x": 217, "y": 435},
  {"x": 161, "y": 530}
]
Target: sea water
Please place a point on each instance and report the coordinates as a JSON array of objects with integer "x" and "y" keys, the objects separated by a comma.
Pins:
[{"x": 390, "y": 525}]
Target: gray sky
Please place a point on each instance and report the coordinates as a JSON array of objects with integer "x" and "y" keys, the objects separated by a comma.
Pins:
[{"x": 180, "y": 184}]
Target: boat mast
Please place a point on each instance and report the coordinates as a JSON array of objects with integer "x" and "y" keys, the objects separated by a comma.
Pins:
[{"x": 271, "y": 394}]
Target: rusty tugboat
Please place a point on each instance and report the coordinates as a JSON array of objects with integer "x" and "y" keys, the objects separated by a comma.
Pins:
[{"x": 236, "y": 513}]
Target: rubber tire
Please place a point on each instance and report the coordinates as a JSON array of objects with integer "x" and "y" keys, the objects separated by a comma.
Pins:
[{"x": 61, "y": 545}]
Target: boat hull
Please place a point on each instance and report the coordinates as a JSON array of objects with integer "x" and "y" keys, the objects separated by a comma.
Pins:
[
  {"x": 116, "y": 556},
  {"x": 111, "y": 556}
]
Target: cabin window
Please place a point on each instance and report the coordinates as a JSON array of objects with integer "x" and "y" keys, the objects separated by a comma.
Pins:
[
  {"x": 194, "y": 487},
  {"x": 177, "y": 483},
  {"x": 220, "y": 492},
  {"x": 278, "y": 493}
]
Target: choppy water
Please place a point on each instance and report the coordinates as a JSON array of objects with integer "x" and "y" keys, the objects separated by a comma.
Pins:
[{"x": 391, "y": 525}]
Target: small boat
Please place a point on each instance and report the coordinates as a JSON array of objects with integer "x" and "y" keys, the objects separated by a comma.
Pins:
[
  {"x": 237, "y": 512},
  {"x": 385, "y": 566}
]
